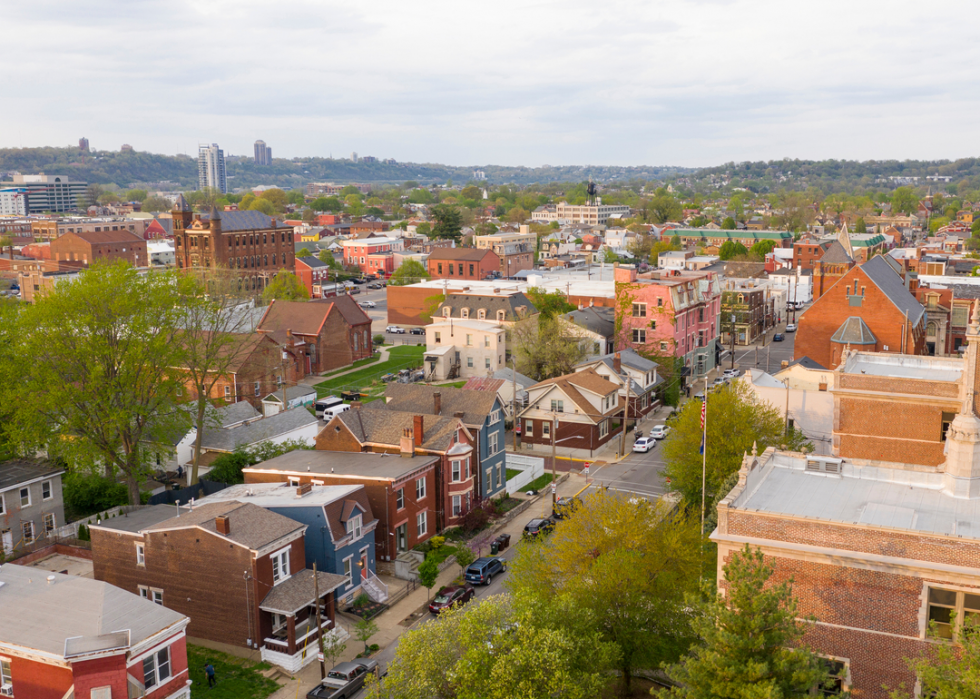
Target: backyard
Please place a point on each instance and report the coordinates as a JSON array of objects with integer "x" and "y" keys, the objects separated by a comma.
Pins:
[
  {"x": 400, "y": 357},
  {"x": 236, "y": 678}
]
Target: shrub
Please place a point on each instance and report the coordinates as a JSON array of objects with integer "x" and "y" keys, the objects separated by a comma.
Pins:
[
  {"x": 87, "y": 493},
  {"x": 227, "y": 468},
  {"x": 436, "y": 542},
  {"x": 379, "y": 339},
  {"x": 479, "y": 517},
  {"x": 83, "y": 533},
  {"x": 361, "y": 600},
  {"x": 374, "y": 647}
]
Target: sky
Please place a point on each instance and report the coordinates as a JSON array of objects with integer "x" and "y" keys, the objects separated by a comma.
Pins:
[{"x": 650, "y": 82}]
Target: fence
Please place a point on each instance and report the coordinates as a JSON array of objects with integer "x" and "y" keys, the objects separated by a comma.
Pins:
[
  {"x": 70, "y": 531},
  {"x": 169, "y": 497},
  {"x": 530, "y": 467}
]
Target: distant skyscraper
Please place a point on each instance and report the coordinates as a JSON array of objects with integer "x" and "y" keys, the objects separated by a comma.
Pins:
[
  {"x": 211, "y": 168},
  {"x": 353, "y": 157},
  {"x": 263, "y": 153},
  {"x": 83, "y": 144}
]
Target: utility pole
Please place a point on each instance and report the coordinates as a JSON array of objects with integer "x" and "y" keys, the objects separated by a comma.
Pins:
[
  {"x": 319, "y": 631},
  {"x": 767, "y": 357},
  {"x": 626, "y": 413},
  {"x": 733, "y": 341},
  {"x": 554, "y": 473},
  {"x": 513, "y": 399},
  {"x": 282, "y": 368}
]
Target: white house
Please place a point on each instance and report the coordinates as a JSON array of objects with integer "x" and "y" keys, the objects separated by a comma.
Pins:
[
  {"x": 463, "y": 348},
  {"x": 806, "y": 409}
]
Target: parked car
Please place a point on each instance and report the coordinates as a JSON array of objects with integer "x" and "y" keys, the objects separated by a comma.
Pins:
[
  {"x": 565, "y": 508},
  {"x": 732, "y": 373},
  {"x": 353, "y": 290},
  {"x": 778, "y": 337},
  {"x": 448, "y": 596},
  {"x": 417, "y": 331},
  {"x": 482, "y": 570},
  {"x": 659, "y": 431},
  {"x": 359, "y": 281},
  {"x": 718, "y": 383},
  {"x": 699, "y": 396},
  {"x": 343, "y": 681},
  {"x": 368, "y": 304},
  {"x": 538, "y": 527},
  {"x": 373, "y": 286},
  {"x": 791, "y": 327},
  {"x": 644, "y": 444},
  {"x": 395, "y": 330}
]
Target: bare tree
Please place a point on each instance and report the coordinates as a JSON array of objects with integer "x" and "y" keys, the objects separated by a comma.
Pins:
[{"x": 548, "y": 347}]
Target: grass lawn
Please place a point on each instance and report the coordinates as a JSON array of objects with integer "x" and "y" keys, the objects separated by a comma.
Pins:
[
  {"x": 538, "y": 483},
  {"x": 237, "y": 678},
  {"x": 442, "y": 553},
  {"x": 360, "y": 362},
  {"x": 401, "y": 357},
  {"x": 512, "y": 472}
]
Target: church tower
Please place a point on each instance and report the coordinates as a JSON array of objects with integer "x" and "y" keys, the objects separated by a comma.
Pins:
[{"x": 962, "y": 467}]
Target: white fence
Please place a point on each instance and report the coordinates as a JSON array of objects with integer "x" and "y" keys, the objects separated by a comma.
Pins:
[
  {"x": 70, "y": 531},
  {"x": 530, "y": 467}
]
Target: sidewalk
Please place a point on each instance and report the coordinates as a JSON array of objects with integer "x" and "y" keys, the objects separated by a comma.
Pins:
[
  {"x": 399, "y": 617},
  {"x": 314, "y": 379}
]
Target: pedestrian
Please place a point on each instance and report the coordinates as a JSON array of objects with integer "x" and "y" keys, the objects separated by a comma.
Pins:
[
  {"x": 209, "y": 671},
  {"x": 180, "y": 471}
]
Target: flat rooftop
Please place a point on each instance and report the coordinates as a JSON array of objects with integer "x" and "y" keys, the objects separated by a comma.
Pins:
[
  {"x": 905, "y": 366},
  {"x": 345, "y": 463},
  {"x": 873, "y": 493},
  {"x": 281, "y": 494}
]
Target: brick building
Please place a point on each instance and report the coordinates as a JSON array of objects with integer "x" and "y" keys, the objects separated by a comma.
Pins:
[
  {"x": 807, "y": 253},
  {"x": 54, "y": 228},
  {"x": 830, "y": 268},
  {"x": 869, "y": 307},
  {"x": 515, "y": 250},
  {"x": 104, "y": 246},
  {"x": 329, "y": 334},
  {"x": 749, "y": 308},
  {"x": 371, "y": 255},
  {"x": 247, "y": 241},
  {"x": 316, "y": 276},
  {"x": 462, "y": 263}
]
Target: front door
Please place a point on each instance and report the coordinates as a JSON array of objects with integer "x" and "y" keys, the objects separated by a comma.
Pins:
[
  {"x": 8, "y": 541},
  {"x": 364, "y": 564},
  {"x": 401, "y": 537}
]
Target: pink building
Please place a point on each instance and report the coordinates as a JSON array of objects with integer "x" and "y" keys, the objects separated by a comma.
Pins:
[
  {"x": 670, "y": 314},
  {"x": 371, "y": 255}
]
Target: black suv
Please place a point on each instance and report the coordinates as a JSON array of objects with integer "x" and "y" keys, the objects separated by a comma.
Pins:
[
  {"x": 538, "y": 527},
  {"x": 565, "y": 508},
  {"x": 482, "y": 570}
]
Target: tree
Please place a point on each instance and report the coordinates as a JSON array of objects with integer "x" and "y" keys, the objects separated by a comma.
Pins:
[
  {"x": 948, "y": 670},
  {"x": 730, "y": 249},
  {"x": 295, "y": 197},
  {"x": 728, "y": 224},
  {"x": 136, "y": 195},
  {"x": 448, "y": 222},
  {"x": 750, "y": 641},
  {"x": 327, "y": 258},
  {"x": 737, "y": 205},
  {"x": 326, "y": 204},
  {"x": 155, "y": 204},
  {"x": 937, "y": 222},
  {"x": 626, "y": 566},
  {"x": 904, "y": 200},
  {"x": 761, "y": 249},
  {"x": 428, "y": 572},
  {"x": 332, "y": 647},
  {"x": 101, "y": 379},
  {"x": 736, "y": 420},
  {"x": 246, "y": 201},
  {"x": 285, "y": 286},
  {"x": 663, "y": 208},
  {"x": 424, "y": 228},
  {"x": 363, "y": 630},
  {"x": 549, "y": 303},
  {"x": 92, "y": 194},
  {"x": 464, "y": 557},
  {"x": 609, "y": 256},
  {"x": 491, "y": 651},
  {"x": 675, "y": 242},
  {"x": 304, "y": 252},
  {"x": 517, "y": 215},
  {"x": 263, "y": 205},
  {"x": 408, "y": 272},
  {"x": 486, "y": 228},
  {"x": 548, "y": 347},
  {"x": 860, "y": 226}
]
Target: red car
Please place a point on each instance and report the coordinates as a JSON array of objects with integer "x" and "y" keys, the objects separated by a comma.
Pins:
[{"x": 448, "y": 596}]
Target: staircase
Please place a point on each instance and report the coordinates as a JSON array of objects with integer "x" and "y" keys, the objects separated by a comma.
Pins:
[{"x": 374, "y": 588}]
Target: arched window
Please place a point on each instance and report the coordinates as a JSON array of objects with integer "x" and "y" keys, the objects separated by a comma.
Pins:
[
  {"x": 481, "y": 314},
  {"x": 446, "y": 311},
  {"x": 267, "y": 260}
]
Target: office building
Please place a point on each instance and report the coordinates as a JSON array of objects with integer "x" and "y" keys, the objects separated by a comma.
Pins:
[
  {"x": 13, "y": 201},
  {"x": 211, "y": 168},
  {"x": 47, "y": 192},
  {"x": 263, "y": 154}
]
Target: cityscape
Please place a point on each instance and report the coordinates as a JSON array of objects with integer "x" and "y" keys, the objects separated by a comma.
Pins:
[{"x": 399, "y": 411}]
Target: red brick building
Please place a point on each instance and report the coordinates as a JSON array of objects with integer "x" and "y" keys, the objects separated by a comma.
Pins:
[
  {"x": 64, "y": 635},
  {"x": 807, "y": 253},
  {"x": 868, "y": 308},
  {"x": 103, "y": 246},
  {"x": 315, "y": 275},
  {"x": 462, "y": 263},
  {"x": 370, "y": 255},
  {"x": 828, "y": 270},
  {"x": 329, "y": 334}
]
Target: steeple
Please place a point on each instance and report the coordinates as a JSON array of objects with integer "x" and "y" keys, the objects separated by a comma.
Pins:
[
  {"x": 962, "y": 467},
  {"x": 844, "y": 238}
]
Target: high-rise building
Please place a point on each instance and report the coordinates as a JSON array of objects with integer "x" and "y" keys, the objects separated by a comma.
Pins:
[
  {"x": 83, "y": 144},
  {"x": 13, "y": 201},
  {"x": 47, "y": 192},
  {"x": 263, "y": 153},
  {"x": 353, "y": 157},
  {"x": 211, "y": 168}
]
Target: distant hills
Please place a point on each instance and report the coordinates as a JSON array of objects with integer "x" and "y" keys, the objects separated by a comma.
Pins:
[{"x": 135, "y": 168}]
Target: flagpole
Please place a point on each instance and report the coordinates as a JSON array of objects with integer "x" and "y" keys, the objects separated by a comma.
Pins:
[{"x": 704, "y": 447}]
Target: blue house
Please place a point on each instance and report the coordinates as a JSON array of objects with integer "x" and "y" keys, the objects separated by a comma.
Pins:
[
  {"x": 480, "y": 410},
  {"x": 340, "y": 528}
]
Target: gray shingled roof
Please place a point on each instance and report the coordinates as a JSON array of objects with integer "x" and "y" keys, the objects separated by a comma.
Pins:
[
  {"x": 509, "y": 304},
  {"x": 807, "y": 363},
  {"x": 249, "y": 525},
  {"x": 345, "y": 463},
  {"x": 292, "y": 392},
  {"x": 18, "y": 471},
  {"x": 892, "y": 285},
  {"x": 291, "y": 595},
  {"x": 599, "y": 320},
  {"x": 245, "y": 221},
  {"x": 41, "y": 616},
  {"x": 236, "y": 413},
  {"x": 382, "y": 426},
  {"x": 854, "y": 331},
  {"x": 138, "y": 520},
  {"x": 475, "y": 405},
  {"x": 836, "y": 254},
  {"x": 259, "y": 431},
  {"x": 509, "y": 375}
]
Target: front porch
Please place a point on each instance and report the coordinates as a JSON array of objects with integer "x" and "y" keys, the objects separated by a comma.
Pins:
[{"x": 288, "y": 619}]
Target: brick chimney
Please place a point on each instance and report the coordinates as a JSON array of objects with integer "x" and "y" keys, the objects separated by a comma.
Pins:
[
  {"x": 355, "y": 405},
  {"x": 617, "y": 363},
  {"x": 437, "y": 402},
  {"x": 418, "y": 431},
  {"x": 303, "y": 489},
  {"x": 222, "y": 524},
  {"x": 406, "y": 445}
]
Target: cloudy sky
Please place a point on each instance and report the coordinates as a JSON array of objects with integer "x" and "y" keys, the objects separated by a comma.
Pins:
[{"x": 530, "y": 82}]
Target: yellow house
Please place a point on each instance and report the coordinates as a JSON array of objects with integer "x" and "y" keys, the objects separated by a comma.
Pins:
[{"x": 965, "y": 216}]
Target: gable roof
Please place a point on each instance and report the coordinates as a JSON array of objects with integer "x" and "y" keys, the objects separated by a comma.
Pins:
[
  {"x": 588, "y": 380},
  {"x": 278, "y": 425},
  {"x": 311, "y": 261},
  {"x": 475, "y": 405},
  {"x": 806, "y": 363},
  {"x": 17, "y": 471},
  {"x": 599, "y": 320},
  {"x": 836, "y": 253},
  {"x": 249, "y": 525},
  {"x": 374, "y": 424},
  {"x": 510, "y": 375},
  {"x": 483, "y": 384},
  {"x": 892, "y": 285},
  {"x": 301, "y": 317},
  {"x": 854, "y": 331},
  {"x": 348, "y": 307}
]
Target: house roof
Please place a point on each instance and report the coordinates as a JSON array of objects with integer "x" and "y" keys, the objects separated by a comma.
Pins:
[
  {"x": 475, "y": 405},
  {"x": 509, "y": 375},
  {"x": 245, "y": 221},
  {"x": 42, "y": 615},
  {"x": 138, "y": 520},
  {"x": 491, "y": 303},
  {"x": 355, "y": 464},
  {"x": 278, "y": 425},
  {"x": 599, "y": 320},
  {"x": 589, "y": 380},
  {"x": 854, "y": 331},
  {"x": 235, "y": 414},
  {"x": 807, "y": 363},
  {"x": 300, "y": 317},
  {"x": 311, "y": 261},
  {"x": 378, "y": 425},
  {"x": 17, "y": 471},
  {"x": 249, "y": 525},
  {"x": 880, "y": 271},
  {"x": 299, "y": 591},
  {"x": 456, "y": 254},
  {"x": 479, "y": 384},
  {"x": 292, "y": 393},
  {"x": 836, "y": 253},
  {"x": 97, "y": 237}
]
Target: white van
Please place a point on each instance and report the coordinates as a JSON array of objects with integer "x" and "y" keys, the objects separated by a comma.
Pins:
[
  {"x": 324, "y": 404},
  {"x": 330, "y": 413}
]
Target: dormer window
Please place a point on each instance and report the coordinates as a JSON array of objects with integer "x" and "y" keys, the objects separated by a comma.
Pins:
[
  {"x": 481, "y": 314},
  {"x": 464, "y": 313},
  {"x": 354, "y": 527},
  {"x": 500, "y": 316},
  {"x": 446, "y": 312}
]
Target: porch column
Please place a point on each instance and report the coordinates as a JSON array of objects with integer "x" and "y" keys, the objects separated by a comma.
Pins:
[
  {"x": 291, "y": 633},
  {"x": 331, "y": 611}
]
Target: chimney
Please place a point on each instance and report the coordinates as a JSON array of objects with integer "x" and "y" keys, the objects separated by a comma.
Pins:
[
  {"x": 355, "y": 405},
  {"x": 418, "y": 431},
  {"x": 303, "y": 489},
  {"x": 437, "y": 402},
  {"x": 459, "y": 414},
  {"x": 617, "y": 363},
  {"x": 405, "y": 444},
  {"x": 222, "y": 524},
  {"x": 784, "y": 364}
]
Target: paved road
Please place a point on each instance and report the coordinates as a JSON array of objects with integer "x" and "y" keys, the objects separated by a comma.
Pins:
[{"x": 638, "y": 473}]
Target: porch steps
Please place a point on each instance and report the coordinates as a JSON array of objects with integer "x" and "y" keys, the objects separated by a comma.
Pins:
[
  {"x": 276, "y": 674},
  {"x": 373, "y": 587}
]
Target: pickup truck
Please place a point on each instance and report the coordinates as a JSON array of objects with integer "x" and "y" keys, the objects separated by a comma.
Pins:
[{"x": 344, "y": 681}]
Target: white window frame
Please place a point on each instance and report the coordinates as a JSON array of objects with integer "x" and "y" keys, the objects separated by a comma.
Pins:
[
  {"x": 469, "y": 362},
  {"x": 24, "y": 526},
  {"x": 354, "y": 528},
  {"x": 639, "y": 336},
  {"x": 144, "y": 591},
  {"x": 5, "y": 677},
  {"x": 47, "y": 484},
  {"x": 258, "y": 388},
  {"x": 545, "y": 428},
  {"x": 486, "y": 340},
  {"x": 457, "y": 505},
  {"x": 493, "y": 443},
  {"x": 25, "y": 489},
  {"x": 494, "y": 417},
  {"x": 282, "y": 556},
  {"x": 457, "y": 467},
  {"x": 279, "y": 621},
  {"x": 141, "y": 555},
  {"x": 528, "y": 428},
  {"x": 400, "y": 499},
  {"x": 557, "y": 406},
  {"x": 642, "y": 308},
  {"x": 603, "y": 428},
  {"x": 422, "y": 523},
  {"x": 154, "y": 659},
  {"x": 420, "y": 489},
  {"x": 349, "y": 570}
]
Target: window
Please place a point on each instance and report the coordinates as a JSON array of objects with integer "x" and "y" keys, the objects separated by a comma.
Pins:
[
  {"x": 46, "y": 490},
  {"x": 529, "y": 428},
  {"x": 469, "y": 340},
  {"x": 27, "y": 528},
  {"x": 440, "y": 268},
  {"x": 494, "y": 417},
  {"x": 557, "y": 406},
  {"x": 603, "y": 428},
  {"x": 949, "y": 609},
  {"x": 471, "y": 270},
  {"x": 348, "y": 572},
  {"x": 278, "y": 622},
  {"x": 227, "y": 392},
  {"x": 140, "y": 555},
  {"x": 144, "y": 592},
  {"x": 837, "y": 682},
  {"x": 481, "y": 314},
  {"x": 354, "y": 527},
  {"x": 469, "y": 362},
  {"x": 660, "y": 303},
  {"x": 156, "y": 668},
  {"x": 493, "y": 442},
  {"x": 639, "y": 335},
  {"x": 545, "y": 429},
  {"x": 486, "y": 362},
  {"x": 486, "y": 341},
  {"x": 947, "y": 421},
  {"x": 101, "y": 693},
  {"x": 639, "y": 310},
  {"x": 5, "y": 677},
  {"x": 457, "y": 471},
  {"x": 25, "y": 497},
  {"x": 422, "y": 523},
  {"x": 152, "y": 594},
  {"x": 500, "y": 316},
  {"x": 457, "y": 505},
  {"x": 420, "y": 489},
  {"x": 399, "y": 498},
  {"x": 460, "y": 265},
  {"x": 464, "y": 313},
  {"x": 280, "y": 566},
  {"x": 663, "y": 346}
]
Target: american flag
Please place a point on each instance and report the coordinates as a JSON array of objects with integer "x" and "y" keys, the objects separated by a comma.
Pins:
[{"x": 704, "y": 410}]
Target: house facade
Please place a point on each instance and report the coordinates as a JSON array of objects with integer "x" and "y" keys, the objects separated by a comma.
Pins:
[
  {"x": 31, "y": 503},
  {"x": 371, "y": 255},
  {"x": 462, "y": 263},
  {"x": 464, "y": 349},
  {"x": 515, "y": 250},
  {"x": 90, "y": 247},
  {"x": 635, "y": 376}
]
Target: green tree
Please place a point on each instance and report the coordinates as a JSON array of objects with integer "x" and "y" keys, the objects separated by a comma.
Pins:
[
  {"x": 107, "y": 198},
  {"x": 737, "y": 205},
  {"x": 485, "y": 228},
  {"x": 246, "y": 201},
  {"x": 730, "y": 249},
  {"x": 92, "y": 194},
  {"x": 409, "y": 272},
  {"x": 263, "y": 205},
  {"x": 750, "y": 641},
  {"x": 420, "y": 196},
  {"x": 491, "y": 651},
  {"x": 549, "y": 303},
  {"x": 332, "y": 647},
  {"x": 464, "y": 557},
  {"x": 326, "y": 204},
  {"x": 736, "y": 420},
  {"x": 761, "y": 249},
  {"x": 937, "y": 222},
  {"x": 860, "y": 226},
  {"x": 101, "y": 391},
  {"x": 626, "y": 566},
  {"x": 517, "y": 215},
  {"x": 548, "y": 347},
  {"x": 948, "y": 670},
  {"x": 728, "y": 224},
  {"x": 285, "y": 286},
  {"x": 448, "y": 222},
  {"x": 363, "y": 630},
  {"x": 904, "y": 201},
  {"x": 424, "y": 228},
  {"x": 136, "y": 195},
  {"x": 295, "y": 197},
  {"x": 304, "y": 252},
  {"x": 428, "y": 572},
  {"x": 327, "y": 258},
  {"x": 663, "y": 208},
  {"x": 609, "y": 256},
  {"x": 675, "y": 242},
  {"x": 155, "y": 204}
]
